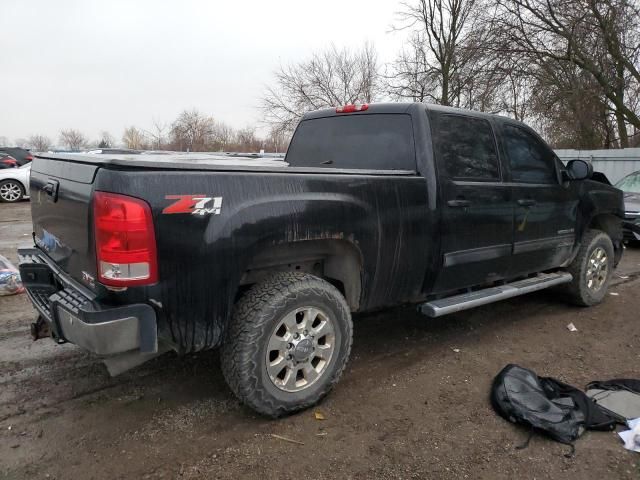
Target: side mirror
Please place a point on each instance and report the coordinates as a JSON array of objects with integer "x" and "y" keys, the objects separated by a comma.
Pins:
[{"x": 579, "y": 170}]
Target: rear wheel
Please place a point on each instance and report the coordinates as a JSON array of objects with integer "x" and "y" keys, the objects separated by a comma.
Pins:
[
  {"x": 11, "y": 191},
  {"x": 592, "y": 269},
  {"x": 287, "y": 344}
]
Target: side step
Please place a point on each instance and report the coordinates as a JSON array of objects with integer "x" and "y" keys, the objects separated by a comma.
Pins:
[{"x": 465, "y": 301}]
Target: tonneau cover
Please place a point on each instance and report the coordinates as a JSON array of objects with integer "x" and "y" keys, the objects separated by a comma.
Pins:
[
  {"x": 205, "y": 161},
  {"x": 172, "y": 160}
]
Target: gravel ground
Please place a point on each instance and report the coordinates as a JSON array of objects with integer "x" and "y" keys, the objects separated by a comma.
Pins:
[{"x": 413, "y": 402}]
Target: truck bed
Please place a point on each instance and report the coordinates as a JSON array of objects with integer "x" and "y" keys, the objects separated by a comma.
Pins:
[{"x": 265, "y": 204}]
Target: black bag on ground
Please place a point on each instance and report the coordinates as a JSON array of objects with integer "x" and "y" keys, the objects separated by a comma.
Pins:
[
  {"x": 620, "y": 398},
  {"x": 595, "y": 418},
  {"x": 629, "y": 384},
  {"x": 545, "y": 404}
]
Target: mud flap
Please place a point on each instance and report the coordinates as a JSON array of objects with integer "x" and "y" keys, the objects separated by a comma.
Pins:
[
  {"x": 40, "y": 329},
  {"x": 118, "y": 364}
]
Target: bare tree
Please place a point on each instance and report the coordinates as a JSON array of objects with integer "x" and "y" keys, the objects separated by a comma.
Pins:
[
  {"x": 247, "y": 141},
  {"x": 106, "y": 140},
  {"x": 410, "y": 77},
  {"x": 72, "y": 139},
  {"x": 329, "y": 78},
  {"x": 277, "y": 141},
  {"x": 39, "y": 143},
  {"x": 192, "y": 131},
  {"x": 599, "y": 37},
  {"x": 513, "y": 94},
  {"x": 222, "y": 136},
  {"x": 571, "y": 110},
  {"x": 134, "y": 138},
  {"x": 445, "y": 59},
  {"x": 158, "y": 134}
]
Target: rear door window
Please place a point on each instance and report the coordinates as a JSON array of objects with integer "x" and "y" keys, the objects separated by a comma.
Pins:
[
  {"x": 530, "y": 160},
  {"x": 370, "y": 141},
  {"x": 465, "y": 148}
]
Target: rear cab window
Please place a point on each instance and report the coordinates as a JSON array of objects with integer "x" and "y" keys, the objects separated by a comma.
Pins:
[{"x": 357, "y": 141}]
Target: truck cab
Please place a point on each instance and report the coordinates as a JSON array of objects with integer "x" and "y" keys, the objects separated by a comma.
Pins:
[{"x": 504, "y": 205}]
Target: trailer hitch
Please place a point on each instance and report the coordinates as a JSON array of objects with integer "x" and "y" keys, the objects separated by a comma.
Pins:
[{"x": 40, "y": 329}]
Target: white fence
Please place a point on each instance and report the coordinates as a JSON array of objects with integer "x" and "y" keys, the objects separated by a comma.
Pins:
[{"x": 615, "y": 163}]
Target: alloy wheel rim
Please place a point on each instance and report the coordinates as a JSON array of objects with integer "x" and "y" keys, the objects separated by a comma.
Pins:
[
  {"x": 300, "y": 349},
  {"x": 10, "y": 192},
  {"x": 597, "y": 269}
]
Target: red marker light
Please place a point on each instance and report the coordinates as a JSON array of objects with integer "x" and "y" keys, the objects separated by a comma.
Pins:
[{"x": 358, "y": 107}]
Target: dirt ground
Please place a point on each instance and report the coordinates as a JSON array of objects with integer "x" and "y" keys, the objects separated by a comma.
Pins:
[{"x": 413, "y": 402}]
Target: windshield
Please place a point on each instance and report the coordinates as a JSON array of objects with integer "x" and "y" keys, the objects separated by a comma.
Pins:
[{"x": 630, "y": 183}]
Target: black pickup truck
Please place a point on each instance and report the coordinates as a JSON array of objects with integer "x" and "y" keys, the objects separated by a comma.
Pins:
[{"x": 373, "y": 206}]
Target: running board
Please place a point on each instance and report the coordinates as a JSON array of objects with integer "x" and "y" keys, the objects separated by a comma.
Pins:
[{"x": 465, "y": 301}]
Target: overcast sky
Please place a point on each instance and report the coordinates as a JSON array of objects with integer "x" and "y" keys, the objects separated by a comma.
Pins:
[{"x": 104, "y": 65}]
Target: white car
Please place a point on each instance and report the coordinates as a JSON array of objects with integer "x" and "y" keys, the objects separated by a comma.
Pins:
[{"x": 14, "y": 183}]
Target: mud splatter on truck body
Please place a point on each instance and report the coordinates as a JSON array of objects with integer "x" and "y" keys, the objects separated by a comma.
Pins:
[{"x": 389, "y": 203}]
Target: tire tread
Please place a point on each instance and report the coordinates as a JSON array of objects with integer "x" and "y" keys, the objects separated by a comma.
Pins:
[
  {"x": 576, "y": 289},
  {"x": 240, "y": 351}
]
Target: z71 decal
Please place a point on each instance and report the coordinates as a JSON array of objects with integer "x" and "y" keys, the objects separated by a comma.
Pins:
[{"x": 194, "y": 204}]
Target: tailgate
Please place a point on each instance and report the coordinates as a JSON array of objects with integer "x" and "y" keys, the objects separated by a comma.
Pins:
[{"x": 61, "y": 212}]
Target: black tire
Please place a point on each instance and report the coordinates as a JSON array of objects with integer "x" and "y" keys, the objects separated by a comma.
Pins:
[
  {"x": 578, "y": 290},
  {"x": 256, "y": 316},
  {"x": 16, "y": 186}
]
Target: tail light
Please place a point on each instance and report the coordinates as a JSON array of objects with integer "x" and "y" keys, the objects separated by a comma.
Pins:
[
  {"x": 352, "y": 108},
  {"x": 29, "y": 158},
  {"x": 10, "y": 162},
  {"x": 125, "y": 240}
]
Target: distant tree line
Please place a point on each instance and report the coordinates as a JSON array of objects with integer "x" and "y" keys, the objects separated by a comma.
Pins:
[
  {"x": 191, "y": 131},
  {"x": 571, "y": 68},
  {"x": 197, "y": 132}
]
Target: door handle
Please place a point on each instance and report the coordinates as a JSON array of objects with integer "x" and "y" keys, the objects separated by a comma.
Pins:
[
  {"x": 51, "y": 189},
  {"x": 526, "y": 202},
  {"x": 459, "y": 202}
]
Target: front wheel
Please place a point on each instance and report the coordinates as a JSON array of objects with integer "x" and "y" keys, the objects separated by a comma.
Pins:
[
  {"x": 592, "y": 269},
  {"x": 11, "y": 191},
  {"x": 287, "y": 344}
]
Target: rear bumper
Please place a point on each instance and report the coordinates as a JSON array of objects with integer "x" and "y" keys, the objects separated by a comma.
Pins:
[{"x": 75, "y": 316}]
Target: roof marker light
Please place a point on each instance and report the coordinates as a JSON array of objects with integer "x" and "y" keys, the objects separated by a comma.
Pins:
[{"x": 358, "y": 107}]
